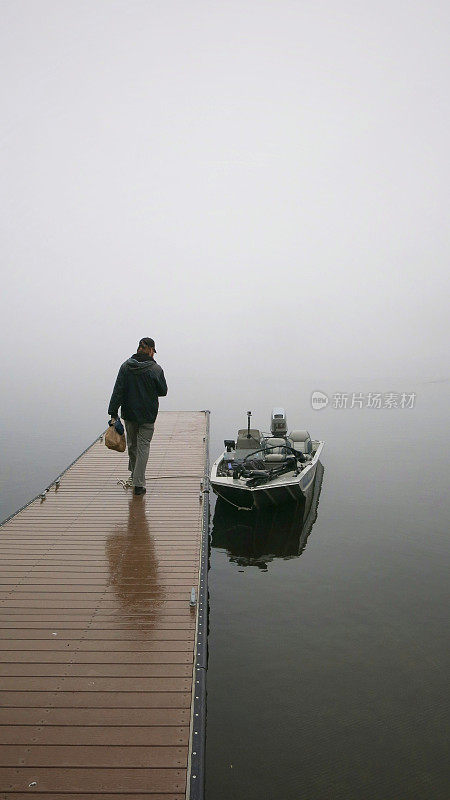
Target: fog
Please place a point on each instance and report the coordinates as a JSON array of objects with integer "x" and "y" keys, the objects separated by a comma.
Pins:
[{"x": 261, "y": 187}]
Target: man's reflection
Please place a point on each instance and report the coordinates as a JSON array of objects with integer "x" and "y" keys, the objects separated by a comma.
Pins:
[{"x": 133, "y": 566}]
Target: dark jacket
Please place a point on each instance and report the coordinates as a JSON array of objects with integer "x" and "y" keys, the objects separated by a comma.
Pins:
[{"x": 139, "y": 384}]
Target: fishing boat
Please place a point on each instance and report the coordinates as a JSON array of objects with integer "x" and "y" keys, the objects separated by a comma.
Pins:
[
  {"x": 257, "y": 538},
  {"x": 260, "y": 469}
]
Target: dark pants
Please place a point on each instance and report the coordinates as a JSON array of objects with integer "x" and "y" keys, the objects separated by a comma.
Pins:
[{"x": 138, "y": 438}]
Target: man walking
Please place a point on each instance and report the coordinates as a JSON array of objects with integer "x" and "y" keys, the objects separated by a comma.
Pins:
[{"x": 138, "y": 385}]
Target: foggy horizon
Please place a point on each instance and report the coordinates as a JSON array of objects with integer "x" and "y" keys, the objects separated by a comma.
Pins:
[{"x": 261, "y": 188}]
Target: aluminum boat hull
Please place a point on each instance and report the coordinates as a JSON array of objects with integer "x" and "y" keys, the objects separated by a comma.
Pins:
[{"x": 285, "y": 489}]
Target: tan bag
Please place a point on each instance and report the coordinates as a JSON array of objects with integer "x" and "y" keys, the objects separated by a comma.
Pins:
[{"x": 114, "y": 440}]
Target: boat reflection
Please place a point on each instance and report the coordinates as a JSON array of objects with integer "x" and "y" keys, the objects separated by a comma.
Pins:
[{"x": 254, "y": 539}]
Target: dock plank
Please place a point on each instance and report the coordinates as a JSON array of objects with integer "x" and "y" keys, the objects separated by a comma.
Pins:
[
  {"x": 170, "y": 735},
  {"x": 87, "y": 780}
]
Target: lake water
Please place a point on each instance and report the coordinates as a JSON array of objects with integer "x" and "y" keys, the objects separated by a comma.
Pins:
[
  {"x": 327, "y": 642},
  {"x": 326, "y": 671}
]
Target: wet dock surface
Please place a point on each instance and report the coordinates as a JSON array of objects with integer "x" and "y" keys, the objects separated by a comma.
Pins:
[{"x": 97, "y": 634}]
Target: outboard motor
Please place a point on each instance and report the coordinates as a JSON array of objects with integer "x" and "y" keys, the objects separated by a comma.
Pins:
[{"x": 278, "y": 423}]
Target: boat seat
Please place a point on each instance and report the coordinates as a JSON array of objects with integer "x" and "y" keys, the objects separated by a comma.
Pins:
[
  {"x": 277, "y": 451},
  {"x": 301, "y": 441}
]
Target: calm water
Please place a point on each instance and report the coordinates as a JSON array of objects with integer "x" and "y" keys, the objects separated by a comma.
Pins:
[
  {"x": 326, "y": 669},
  {"x": 327, "y": 635}
]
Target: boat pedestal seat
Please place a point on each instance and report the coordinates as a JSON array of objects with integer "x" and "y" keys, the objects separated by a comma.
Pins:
[
  {"x": 301, "y": 441},
  {"x": 275, "y": 450}
]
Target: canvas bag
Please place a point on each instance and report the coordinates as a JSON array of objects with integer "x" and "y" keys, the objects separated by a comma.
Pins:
[{"x": 115, "y": 436}]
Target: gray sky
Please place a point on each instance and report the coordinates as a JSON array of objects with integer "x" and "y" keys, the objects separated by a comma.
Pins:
[{"x": 260, "y": 186}]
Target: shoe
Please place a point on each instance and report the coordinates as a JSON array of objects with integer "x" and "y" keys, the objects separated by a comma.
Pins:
[{"x": 140, "y": 490}]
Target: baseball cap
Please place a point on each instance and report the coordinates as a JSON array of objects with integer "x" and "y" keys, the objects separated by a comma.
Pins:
[{"x": 147, "y": 342}]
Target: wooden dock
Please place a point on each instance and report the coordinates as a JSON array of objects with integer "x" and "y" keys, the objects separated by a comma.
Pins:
[{"x": 100, "y": 648}]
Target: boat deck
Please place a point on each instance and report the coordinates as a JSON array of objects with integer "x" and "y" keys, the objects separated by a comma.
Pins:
[{"x": 97, "y": 634}]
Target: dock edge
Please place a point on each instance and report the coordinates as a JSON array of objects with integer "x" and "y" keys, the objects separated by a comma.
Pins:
[{"x": 195, "y": 784}]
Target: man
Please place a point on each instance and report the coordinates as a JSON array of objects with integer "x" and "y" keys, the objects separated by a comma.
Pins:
[{"x": 139, "y": 384}]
